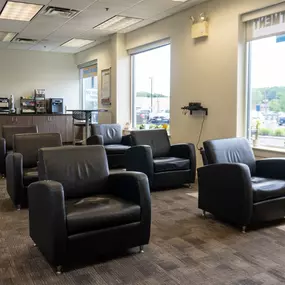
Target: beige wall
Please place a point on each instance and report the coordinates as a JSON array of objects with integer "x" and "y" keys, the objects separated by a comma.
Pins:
[
  {"x": 123, "y": 81},
  {"x": 101, "y": 53},
  {"x": 209, "y": 71},
  {"x": 23, "y": 71}
]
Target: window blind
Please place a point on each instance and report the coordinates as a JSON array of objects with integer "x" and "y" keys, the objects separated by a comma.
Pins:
[
  {"x": 89, "y": 71},
  {"x": 265, "y": 22}
]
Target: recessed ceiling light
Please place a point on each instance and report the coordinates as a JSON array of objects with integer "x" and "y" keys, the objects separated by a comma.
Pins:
[
  {"x": 19, "y": 11},
  {"x": 179, "y": 0},
  {"x": 77, "y": 43},
  {"x": 117, "y": 23},
  {"x": 7, "y": 37}
]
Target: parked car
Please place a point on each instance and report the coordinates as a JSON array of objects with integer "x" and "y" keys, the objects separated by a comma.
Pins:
[
  {"x": 281, "y": 121},
  {"x": 142, "y": 116},
  {"x": 159, "y": 120},
  {"x": 162, "y": 113}
]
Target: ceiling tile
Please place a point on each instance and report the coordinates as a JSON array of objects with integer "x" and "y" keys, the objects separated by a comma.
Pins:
[
  {"x": 46, "y": 46},
  {"x": 40, "y": 2},
  {"x": 115, "y": 6},
  {"x": 3, "y": 45},
  {"x": 42, "y": 26},
  {"x": 54, "y": 31},
  {"x": 149, "y": 8},
  {"x": 70, "y": 30},
  {"x": 72, "y": 4},
  {"x": 19, "y": 46},
  {"x": 12, "y": 26},
  {"x": 93, "y": 34},
  {"x": 58, "y": 37},
  {"x": 2, "y": 3},
  {"x": 93, "y": 17},
  {"x": 65, "y": 49}
]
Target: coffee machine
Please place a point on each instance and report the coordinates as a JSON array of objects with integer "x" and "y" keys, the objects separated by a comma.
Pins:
[
  {"x": 4, "y": 105},
  {"x": 55, "y": 106}
]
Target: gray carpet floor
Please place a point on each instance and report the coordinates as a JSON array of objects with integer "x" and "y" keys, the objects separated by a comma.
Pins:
[{"x": 185, "y": 249}]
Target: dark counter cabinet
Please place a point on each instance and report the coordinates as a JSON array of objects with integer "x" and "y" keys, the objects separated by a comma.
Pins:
[{"x": 47, "y": 123}]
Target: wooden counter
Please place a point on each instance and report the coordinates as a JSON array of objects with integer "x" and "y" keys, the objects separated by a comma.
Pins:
[{"x": 47, "y": 123}]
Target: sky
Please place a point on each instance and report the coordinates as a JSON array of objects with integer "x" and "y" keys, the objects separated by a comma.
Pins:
[
  {"x": 268, "y": 63},
  {"x": 153, "y": 64}
]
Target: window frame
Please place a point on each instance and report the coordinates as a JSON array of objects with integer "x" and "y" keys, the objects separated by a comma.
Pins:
[
  {"x": 80, "y": 68},
  {"x": 248, "y": 91},
  {"x": 133, "y": 53}
]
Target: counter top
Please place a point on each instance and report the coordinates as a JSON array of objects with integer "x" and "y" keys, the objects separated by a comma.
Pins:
[{"x": 22, "y": 115}]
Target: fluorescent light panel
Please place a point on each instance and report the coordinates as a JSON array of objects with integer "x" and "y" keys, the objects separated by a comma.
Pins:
[
  {"x": 117, "y": 23},
  {"x": 77, "y": 43},
  {"x": 20, "y": 11},
  {"x": 6, "y": 37}
]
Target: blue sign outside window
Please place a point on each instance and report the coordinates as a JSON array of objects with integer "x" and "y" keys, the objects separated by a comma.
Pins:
[{"x": 280, "y": 39}]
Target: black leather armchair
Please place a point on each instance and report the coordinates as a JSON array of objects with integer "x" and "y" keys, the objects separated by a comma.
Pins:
[
  {"x": 165, "y": 165},
  {"x": 237, "y": 188},
  {"x": 116, "y": 145},
  {"x": 21, "y": 164},
  {"x": 6, "y": 141},
  {"x": 77, "y": 207}
]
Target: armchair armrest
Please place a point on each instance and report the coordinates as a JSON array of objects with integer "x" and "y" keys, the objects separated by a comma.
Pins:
[
  {"x": 14, "y": 178},
  {"x": 133, "y": 186},
  {"x": 95, "y": 140},
  {"x": 47, "y": 219},
  {"x": 140, "y": 159},
  {"x": 127, "y": 140},
  {"x": 186, "y": 151},
  {"x": 3, "y": 152},
  {"x": 226, "y": 191},
  {"x": 271, "y": 168}
]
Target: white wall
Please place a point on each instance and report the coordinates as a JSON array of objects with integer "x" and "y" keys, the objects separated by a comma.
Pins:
[{"x": 23, "y": 71}]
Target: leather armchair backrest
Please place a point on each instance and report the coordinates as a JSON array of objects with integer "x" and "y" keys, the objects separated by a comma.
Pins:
[
  {"x": 112, "y": 133},
  {"x": 29, "y": 144},
  {"x": 82, "y": 170},
  {"x": 8, "y": 131},
  {"x": 157, "y": 139},
  {"x": 232, "y": 150}
]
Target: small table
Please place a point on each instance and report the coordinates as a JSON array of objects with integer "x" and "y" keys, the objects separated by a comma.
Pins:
[{"x": 88, "y": 114}]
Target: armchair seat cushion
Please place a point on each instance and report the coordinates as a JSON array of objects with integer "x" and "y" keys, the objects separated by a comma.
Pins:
[
  {"x": 30, "y": 175},
  {"x": 266, "y": 189},
  {"x": 163, "y": 164},
  {"x": 116, "y": 148},
  {"x": 99, "y": 212}
]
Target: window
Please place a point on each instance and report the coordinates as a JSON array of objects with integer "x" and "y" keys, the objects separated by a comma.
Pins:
[
  {"x": 151, "y": 88},
  {"x": 266, "y": 81},
  {"x": 89, "y": 89}
]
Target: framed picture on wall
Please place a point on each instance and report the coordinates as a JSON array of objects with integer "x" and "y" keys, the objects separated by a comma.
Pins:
[{"x": 106, "y": 86}]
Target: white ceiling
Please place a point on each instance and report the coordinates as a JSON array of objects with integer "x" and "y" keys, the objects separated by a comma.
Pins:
[{"x": 51, "y": 32}]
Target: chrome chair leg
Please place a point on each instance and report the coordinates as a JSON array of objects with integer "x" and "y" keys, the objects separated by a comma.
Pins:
[
  {"x": 59, "y": 270},
  {"x": 141, "y": 249}
]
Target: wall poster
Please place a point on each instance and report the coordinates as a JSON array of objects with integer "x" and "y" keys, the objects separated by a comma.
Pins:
[{"x": 106, "y": 86}]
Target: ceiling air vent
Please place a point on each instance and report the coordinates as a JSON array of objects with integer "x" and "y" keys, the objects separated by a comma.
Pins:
[
  {"x": 59, "y": 12},
  {"x": 25, "y": 41}
]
